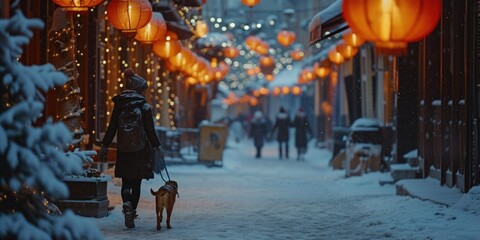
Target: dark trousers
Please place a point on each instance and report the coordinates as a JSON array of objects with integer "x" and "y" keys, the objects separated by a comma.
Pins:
[
  {"x": 131, "y": 191},
  {"x": 259, "y": 152},
  {"x": 280, "y": 143}
]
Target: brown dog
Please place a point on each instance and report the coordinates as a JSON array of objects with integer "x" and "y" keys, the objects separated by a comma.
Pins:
[{"x": 165, "y": 198}]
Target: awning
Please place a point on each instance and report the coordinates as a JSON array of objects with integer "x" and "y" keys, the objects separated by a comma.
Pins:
[
  {"x": 168, "y": 10},
  {"x": 327, "y": 23}
]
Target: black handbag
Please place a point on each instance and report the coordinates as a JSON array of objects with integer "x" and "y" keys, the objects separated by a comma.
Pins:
[{"x": 157, "y": 159}]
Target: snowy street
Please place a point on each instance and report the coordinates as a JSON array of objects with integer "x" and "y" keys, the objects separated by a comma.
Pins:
[{"x": 269, "y": 198}]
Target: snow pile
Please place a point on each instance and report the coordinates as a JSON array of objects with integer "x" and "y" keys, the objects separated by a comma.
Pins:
[{"x": 470, "y": 202}]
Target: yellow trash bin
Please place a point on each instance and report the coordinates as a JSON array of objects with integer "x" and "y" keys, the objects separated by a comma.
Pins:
[{"x": 212, "y": 143}]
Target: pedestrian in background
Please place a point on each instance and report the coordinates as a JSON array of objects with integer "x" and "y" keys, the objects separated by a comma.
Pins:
[
  {"x": 237, "y": 128},
  {"x": 258, "y": 132},
  {"x": 282, "y": 125},
  {"x": 132, "y": 122},
  {"x": 303, "y": 132}
]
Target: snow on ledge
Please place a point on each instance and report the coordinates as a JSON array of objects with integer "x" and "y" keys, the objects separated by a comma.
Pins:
[
  {"x": 87, "y": 179},
  {"x": 430, "y": 189}
]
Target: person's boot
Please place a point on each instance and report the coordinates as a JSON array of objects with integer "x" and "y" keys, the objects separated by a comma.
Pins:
[{"x": 129, "y": 215}]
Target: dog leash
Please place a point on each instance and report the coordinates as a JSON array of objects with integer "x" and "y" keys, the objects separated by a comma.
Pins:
[{"x": 166, "y": 171}]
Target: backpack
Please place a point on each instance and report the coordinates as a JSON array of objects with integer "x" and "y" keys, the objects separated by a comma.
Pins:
[{"x": 131, "y": 135}]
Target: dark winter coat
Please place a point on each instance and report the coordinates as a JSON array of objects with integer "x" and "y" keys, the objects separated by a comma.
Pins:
[
  {"x": 133, "y": 165},
  {"x": 302, "y": 130},
  {"x": 282, "y": 125},
  {"x": 258, "y": 131}
]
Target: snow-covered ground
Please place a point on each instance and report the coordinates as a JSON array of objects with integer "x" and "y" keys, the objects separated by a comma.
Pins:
[{"x": 269, "y": 198}]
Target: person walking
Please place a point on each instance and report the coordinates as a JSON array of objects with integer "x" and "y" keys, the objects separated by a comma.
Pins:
[
  {"x": 303, "y": 132},
  {"x": 258, "y": 132},
  {"x": 132, "y": 122},
  {"x": 282, "y": 125}
]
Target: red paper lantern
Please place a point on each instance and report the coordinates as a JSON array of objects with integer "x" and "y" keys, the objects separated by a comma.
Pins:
[
  {"x": 252, "y": 42},
  {"x": 250, "y": 3},
  {"x": 286, "y": 38},
  {"x": 153, "y": 31},
  {"x": 392, "y": 24},
  {"x": 168, "y": 46},
  {"x": 297, "y": 55},
  {"x": 78, "y": 6},
  {"x": 266, "y": 61},
  {"x": 296, "y": 90},
  {"x": 269, "y": 77},
  {"x": 347, "y": 51},
  {"x": 322, "y": 69},
  {"x": 262, "y": 48},
  {"x": 231, "y": 52},
  {"x": 352, "y": 39},
  {"x": 129, "y": 15},
  {"x": 335, "y": 56}
]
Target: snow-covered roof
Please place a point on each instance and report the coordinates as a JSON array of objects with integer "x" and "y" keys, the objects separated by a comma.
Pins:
[
  {"x": 331, "y": 11},
  {"x": 318, "y": 21}
]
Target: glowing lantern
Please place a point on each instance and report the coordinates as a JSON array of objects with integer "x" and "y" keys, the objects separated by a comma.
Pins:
[
  {"x": 262, "y": 48},
  {"x": 250, "y": 3},
  {"x": 286, "y": 38},
  {"x": 322, "y": 69},
  {"x": 253, "y": 101},
  {"x": 189, "y": 56},
  {"x": 269, "y": 77},
  {"x": 285, "y": 90},
  {"x": 306, "y": 75},
  {"x": 392, "y": 24},
  {"x": 168, "y": 46},
  {"x": 76, "y": 5},
  {"x": 276, "y": 91},
  {"x": 250, "y": 72},
  {"x": 267, "y": 61},
  {"x": 326, "y": 108},
  {"x": 153, "y": 31},
  {"x": 244, "y": 99},
  {"x": 170, "y": 67},
  {"x": 335, "y": 57},
  {"x": 347, "y": 51},
  {"x": 206, "y": 74},
  {"x": 297, "y": 55},
  {"x": 129, "y": 15},
  {"x": 231, "y": 52},
  {"x": 252, "y": 42},
  {"x": 263, "y": 91},
  {"x": 179, "y": 59},
  {"x": 201, "y": 29},
  {"x": 191, "y": 80},
  {"x": 296, "y": 90},
  {"x": 352, "y": 39}
]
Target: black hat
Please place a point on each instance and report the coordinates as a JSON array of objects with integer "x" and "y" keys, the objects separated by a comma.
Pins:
[{"x": 134, "y": 82}]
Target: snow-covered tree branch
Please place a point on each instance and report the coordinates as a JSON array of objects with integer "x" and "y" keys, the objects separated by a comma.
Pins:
[{"x": 33, "y": 159}]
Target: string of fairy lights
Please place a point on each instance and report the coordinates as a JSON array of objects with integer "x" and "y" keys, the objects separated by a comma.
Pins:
[{"x": 116, "y": 57}]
